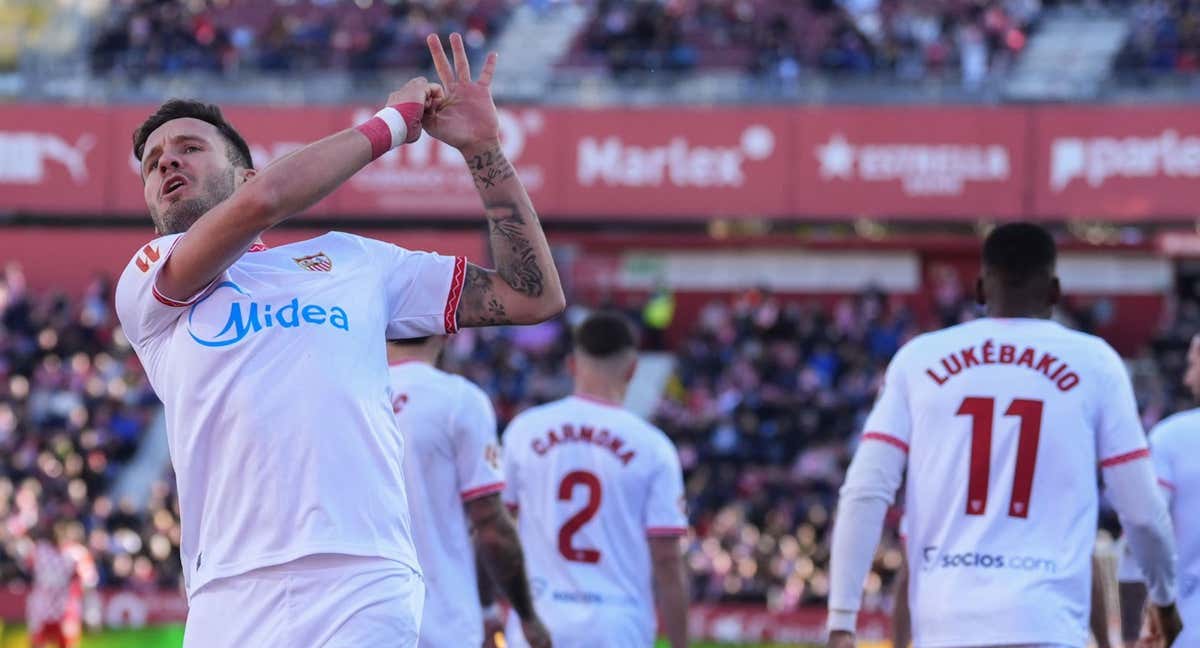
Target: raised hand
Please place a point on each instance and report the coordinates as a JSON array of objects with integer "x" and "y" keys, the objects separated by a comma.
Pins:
[
  {"x": 419, "y": 91},
  {"x": 464, "y": 116}
]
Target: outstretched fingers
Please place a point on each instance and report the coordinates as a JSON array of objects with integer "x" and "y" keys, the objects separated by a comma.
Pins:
[
  {"x": 440, "y": 62},
  {"x": 489, "y": 69},
  {"x": 461, "y": 65}
]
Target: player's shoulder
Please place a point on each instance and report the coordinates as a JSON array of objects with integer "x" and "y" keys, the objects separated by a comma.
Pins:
[
  {"x": 367, "y": 244},
  {"x": 148, "y": 256},
  {"x": 1177, "y": 428},
  {"x": 469, "y": 394}
]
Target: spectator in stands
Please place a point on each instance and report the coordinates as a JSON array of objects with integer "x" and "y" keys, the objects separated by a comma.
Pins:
[{"x": 140, "y": 37}]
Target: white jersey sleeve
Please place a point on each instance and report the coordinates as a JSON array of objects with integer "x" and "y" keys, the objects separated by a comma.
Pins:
[
  {"x": 421, "y": 290},
  {"x": 1122, "y": 450},
  {"x": 1119, "y": 433},
  {"x": 890, "y": 420},
  {"x": 476, "y": 449},
  {"x": 143, "y": 310},
  {"x": 665, "y": 515},
  {"x": 1163, "y": 468}
]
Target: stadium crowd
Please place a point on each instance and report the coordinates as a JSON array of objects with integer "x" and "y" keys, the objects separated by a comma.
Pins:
[
  {"x": 139, "y": 37},
  {"x": 767, "y": 396},
  {"x": 1164, "y": 37},
  {"x": 74, "y": 404},
  {"x": 909, "y": 38},
  {"x": 776, "y": 38}
]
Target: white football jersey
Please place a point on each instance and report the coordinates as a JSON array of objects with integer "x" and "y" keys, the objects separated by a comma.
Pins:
[
  {"x": 451, "y": 457},
  {"x": 274, "y": 380},
  {"x": 1006, "y": 423},
  {"x": 1175, "y": 446},
  {"x": 591, "y": 482}
]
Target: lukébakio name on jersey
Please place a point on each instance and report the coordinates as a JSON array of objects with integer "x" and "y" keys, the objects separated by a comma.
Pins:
[{"x": 990, "y": 353}]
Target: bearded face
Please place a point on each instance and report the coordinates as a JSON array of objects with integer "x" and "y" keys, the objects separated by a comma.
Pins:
[
  {"x": 178, "y": 213},
  {"x": 187, "y": 170}
]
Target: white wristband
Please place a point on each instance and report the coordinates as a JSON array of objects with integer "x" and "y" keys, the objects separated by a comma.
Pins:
[
  {"x": 844, "y": 620},
  {"x": 395, "y": 123}
]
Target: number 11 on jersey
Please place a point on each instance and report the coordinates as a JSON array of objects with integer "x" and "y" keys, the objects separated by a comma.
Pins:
[{"x": 983, "y": 416}]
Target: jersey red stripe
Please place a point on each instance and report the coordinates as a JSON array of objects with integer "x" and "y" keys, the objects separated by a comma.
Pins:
[
  {"x": 167, "y": 300},
  {"x": 886, "y": 438},
  {"x": 665, "y": 532},
  {"x": 481, "y": 491},
  {"x": 1122, "y": 458},
  {"x": 456, "y": 288},
  {"x": 1166, "y": 484}
]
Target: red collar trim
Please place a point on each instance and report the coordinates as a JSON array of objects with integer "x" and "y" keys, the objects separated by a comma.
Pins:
[
  {"x": 257, "y": 247},
  {"x": 406, "y": 361},
  {"x": 596, "y": 399}
]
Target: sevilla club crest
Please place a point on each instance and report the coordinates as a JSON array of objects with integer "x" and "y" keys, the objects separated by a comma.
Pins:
[{"x": 319, "y": 262}]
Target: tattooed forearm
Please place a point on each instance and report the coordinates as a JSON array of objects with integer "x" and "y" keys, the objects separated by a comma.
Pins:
[
  {"x": 524, "y": 288},
  {"x": 481, "y": 306},
  {"x": 489, "y": 168},
  {"x": 499, "y": 548},
  {"x": 516, "y": 260}
]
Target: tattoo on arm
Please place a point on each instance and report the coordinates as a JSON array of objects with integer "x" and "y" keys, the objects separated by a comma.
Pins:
[
  {"x": 497, "y": 543},
  {"x": 489, "y": 168},
  {"x": 515, "y": 239},
  {"x": 516, "y": 260},
  {"x": 480, "y": 305}
]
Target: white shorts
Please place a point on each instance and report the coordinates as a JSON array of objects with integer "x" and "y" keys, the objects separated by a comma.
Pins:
[{"x": 332, "y": 601}]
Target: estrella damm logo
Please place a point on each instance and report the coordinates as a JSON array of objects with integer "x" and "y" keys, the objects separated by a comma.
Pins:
[{"x": 246, "y": 317}]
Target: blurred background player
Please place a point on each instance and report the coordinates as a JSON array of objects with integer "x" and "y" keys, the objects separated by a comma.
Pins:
[
  {"x": 599, "y": 496},
  {"x": 281, "y": 433},
  {"x": 1001, "y": 516},
  {"x": 453, "y": 473},
  {"x": 1175, "y": 446},
  {"x": 62, "y": 572}
]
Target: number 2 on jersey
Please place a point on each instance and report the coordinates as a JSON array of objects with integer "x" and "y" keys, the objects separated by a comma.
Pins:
[
  {"x": 983, "y": 415},
  {"x": 566, "y": 534}
]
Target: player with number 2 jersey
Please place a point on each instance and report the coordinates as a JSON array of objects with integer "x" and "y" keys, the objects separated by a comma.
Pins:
[
  {"x": 999, "y": 426},
  {"x": 598, "y": 494}
]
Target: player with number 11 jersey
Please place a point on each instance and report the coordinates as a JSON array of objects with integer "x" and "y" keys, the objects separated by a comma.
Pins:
[{"x": 1003, "y": 423}]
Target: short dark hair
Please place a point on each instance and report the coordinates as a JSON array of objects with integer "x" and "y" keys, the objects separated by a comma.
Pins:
[
  {"x": 236, "y": 148},
  {"x": 417, "y": 341},
  {"x": 1019, "y": 252},
  {"x": 604, "y": 334}
]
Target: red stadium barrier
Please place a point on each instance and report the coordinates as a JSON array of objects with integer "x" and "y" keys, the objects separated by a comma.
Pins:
[{"x": 827, "y": 163}]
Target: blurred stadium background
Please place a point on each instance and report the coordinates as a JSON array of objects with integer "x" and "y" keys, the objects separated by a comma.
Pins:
[{"x": 781, "y": 191}]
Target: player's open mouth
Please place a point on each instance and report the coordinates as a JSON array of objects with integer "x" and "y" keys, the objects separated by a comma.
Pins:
[{"x": 173, "y": 184}]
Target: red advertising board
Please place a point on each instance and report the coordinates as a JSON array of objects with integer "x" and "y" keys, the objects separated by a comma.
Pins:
[
  {"x": 1124, "y": 163},
  {"x": 52, "y": 159},
  {"x": 916, "y": 162},
  {"x": 1120, "y": 163},
  {"x": 677, "y": 162}
]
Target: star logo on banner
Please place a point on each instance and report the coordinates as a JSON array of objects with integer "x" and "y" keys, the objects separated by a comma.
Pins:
[{"x": 837, "y": 158}]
